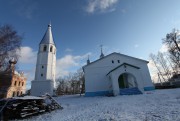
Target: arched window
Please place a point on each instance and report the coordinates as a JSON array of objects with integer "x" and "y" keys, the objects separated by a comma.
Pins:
[
  {"x": 19, "y": 83},
  {"x": 22, "y": 83},
  {"x": 14, "y": 94},
  {"x": 112, "y": 61},
  {"x": 51, "y": 49},
  {"x": 18, "y": 93},
  {"x": 45, "y": 47}
]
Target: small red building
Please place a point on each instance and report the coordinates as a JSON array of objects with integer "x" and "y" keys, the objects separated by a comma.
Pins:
[{"x": 12, "y": 83}]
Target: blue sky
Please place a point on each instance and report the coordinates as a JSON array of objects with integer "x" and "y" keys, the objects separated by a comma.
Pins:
[{"x": 132, "y": 27}]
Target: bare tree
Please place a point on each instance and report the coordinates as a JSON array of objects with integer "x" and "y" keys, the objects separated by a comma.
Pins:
[
  {"x": 81, "y": 78},
  {"x": 172, "y": 40},
  {"x": 73, "y": 83},
  {"x": 175, "y": 58},
  {"x": 154, "y": 59},
  {"x": 61, "y": 86},
  {"x": 10, "y": 42},
  {"x": 163, "y": 63}
]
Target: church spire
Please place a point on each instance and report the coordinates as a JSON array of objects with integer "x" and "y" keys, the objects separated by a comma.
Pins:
[
  {"x": 102, "y": 55},
  {"x": 88, "y": 61},
  {"x": 48, "y": 38}
]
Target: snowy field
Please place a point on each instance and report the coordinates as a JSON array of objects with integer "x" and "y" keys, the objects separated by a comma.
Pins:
[{"x": 158, "y": 105}]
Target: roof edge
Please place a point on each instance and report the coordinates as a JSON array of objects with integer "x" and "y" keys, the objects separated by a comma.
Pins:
[
  {"x": 118, "y": 54},
  {"x": 122, "y": 65}
]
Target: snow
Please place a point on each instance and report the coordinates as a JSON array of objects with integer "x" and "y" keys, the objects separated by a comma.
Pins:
[{"x": 158, "y": 105}]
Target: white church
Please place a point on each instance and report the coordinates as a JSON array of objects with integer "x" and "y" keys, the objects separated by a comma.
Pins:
[
  {"x": 44, "y": 81},
  {"x": 116, "y": 74}
]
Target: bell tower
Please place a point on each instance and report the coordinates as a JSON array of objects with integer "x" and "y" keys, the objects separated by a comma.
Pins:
[{"x": 44, "y": 81}]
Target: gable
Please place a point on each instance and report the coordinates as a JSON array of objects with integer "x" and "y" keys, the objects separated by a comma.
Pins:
[
  {"x": 124, "y": 64},
  {"x": 115, "y": 57}
]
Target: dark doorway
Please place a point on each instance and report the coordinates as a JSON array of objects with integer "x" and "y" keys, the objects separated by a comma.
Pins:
[
  {"x": 121, "y": 82},
  {"x": 126, "y": 80}
]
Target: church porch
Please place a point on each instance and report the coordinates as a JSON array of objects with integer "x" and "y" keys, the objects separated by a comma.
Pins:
[{"x": 126, "y": 79}]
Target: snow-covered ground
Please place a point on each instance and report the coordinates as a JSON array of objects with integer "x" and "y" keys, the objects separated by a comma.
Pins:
[{"x": 158, "y": 105}]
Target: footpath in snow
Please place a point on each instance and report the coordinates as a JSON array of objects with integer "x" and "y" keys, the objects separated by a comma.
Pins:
[{"x": 158, "y": 105}]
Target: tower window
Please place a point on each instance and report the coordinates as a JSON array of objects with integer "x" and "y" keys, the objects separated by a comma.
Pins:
[
  {"x": 118, "y": 61},
  {"x": 22, "y": 83},
  {"x": 42, "y": 66},
  {"x": 19, "y": 83},
  {"x": 45, "y": 47},
  {"x": 112, "y": 61},
  {"x": 41, "y": 74},
  {"x": 51, "y": 49}
]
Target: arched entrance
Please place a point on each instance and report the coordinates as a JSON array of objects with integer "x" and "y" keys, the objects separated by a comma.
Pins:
[{"x": 127, "y": 80}]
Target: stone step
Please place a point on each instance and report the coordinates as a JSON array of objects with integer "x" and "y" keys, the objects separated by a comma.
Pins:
[{"x": 130, "y": 91}]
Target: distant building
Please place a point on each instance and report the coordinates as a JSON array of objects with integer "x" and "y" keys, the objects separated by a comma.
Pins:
[
  {"x": 44, "y": 81},
  {"x": 116, "y": 74},
  {"x": 12, "y": 83}
]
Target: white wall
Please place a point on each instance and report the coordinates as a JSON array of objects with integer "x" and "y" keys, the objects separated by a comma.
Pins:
[
  {"x": 95, "y": 73},
  {"x": 46, "y": 59},
  {"x": 46, "y": 82},
  {"x": 39, "y": 88}
]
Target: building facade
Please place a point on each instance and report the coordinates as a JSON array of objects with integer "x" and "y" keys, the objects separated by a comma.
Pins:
[
  {"x": 12, "y": 83},
  {"x": 115, "y": 73},
  {"x": 44, "y": 81}
]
